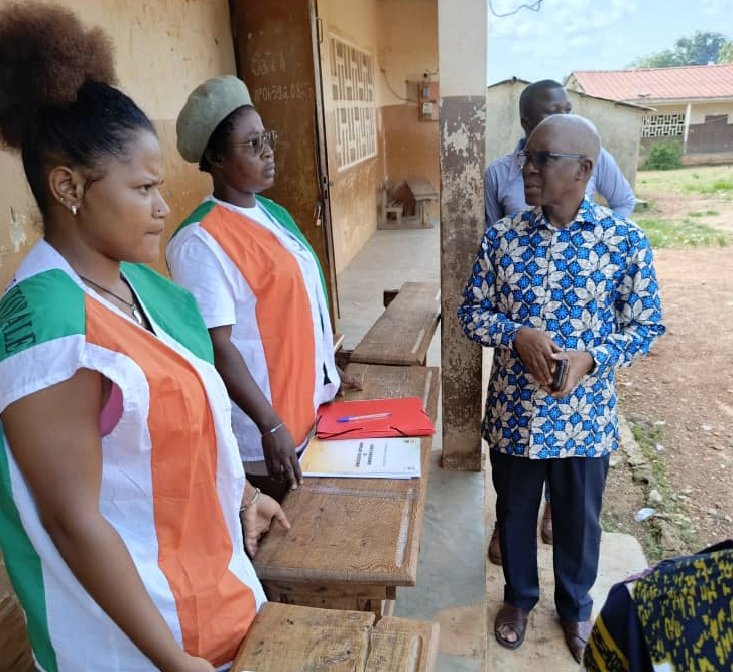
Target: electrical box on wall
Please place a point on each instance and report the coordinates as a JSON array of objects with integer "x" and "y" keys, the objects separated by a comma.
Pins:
[{"x": 427, "y": 100}]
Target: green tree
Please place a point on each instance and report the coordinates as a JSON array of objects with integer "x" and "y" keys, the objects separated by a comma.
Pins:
[
  {"x": 725, "y": 55},
  {"x": 662, "y": 59},
  {"x": 700, "y": 49}
]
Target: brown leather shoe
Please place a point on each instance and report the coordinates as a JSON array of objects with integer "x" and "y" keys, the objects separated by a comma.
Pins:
[
  {"x": 546, "y": 524},
  {"x": 576, "y": 637},
  {"x": 494, "y": 547}
]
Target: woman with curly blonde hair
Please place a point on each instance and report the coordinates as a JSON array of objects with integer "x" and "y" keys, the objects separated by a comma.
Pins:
[{"x": 120, "y": 478}]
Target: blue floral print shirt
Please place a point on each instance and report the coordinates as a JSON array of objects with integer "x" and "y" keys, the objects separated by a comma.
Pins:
[{"x": 591, "y": 286}]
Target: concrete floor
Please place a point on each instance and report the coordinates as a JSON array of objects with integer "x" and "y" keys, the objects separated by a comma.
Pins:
[
  {"x": 451, "y": 573},
  {"x": 387, "y": 260},
  {"x": 451, "y": 581},
  {"x": 456, "y": 585}
]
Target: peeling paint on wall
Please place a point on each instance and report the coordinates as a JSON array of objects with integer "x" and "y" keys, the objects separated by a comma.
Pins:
[
  {"x": 462, "y": 223},
  {"x": 457, "y": 141},
  {"x": 158, "y": 67},
  {"x": 18, "y": 233}
]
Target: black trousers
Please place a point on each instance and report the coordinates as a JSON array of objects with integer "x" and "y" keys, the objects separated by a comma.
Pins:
[{"x": 576, "y": 491}]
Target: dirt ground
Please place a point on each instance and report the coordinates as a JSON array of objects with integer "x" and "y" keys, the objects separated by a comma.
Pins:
[{"x": 681, "y": 397}]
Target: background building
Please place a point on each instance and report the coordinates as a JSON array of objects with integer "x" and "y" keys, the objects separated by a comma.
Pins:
[
  {"x": 619, "y": 123},
  {"x": 693, "y": 104}
]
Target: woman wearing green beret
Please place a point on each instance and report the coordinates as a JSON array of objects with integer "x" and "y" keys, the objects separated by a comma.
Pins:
[{"x": 258, "y": 284}]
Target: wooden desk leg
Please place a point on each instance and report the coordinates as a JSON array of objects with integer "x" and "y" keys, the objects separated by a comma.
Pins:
[
  {"x": 388, "y": 605},
  {"x": 422, "y": 209}
]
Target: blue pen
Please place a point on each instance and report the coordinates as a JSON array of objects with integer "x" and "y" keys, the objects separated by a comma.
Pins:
[{"x": 369, "y": 416}]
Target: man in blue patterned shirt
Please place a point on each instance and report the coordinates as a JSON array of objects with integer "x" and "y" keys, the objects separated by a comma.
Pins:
[
  {"x": 570, "y": 280},
  {"x": 504, "y": 195}
]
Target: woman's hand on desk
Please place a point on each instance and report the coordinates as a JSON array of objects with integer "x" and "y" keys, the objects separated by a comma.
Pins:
[
  {"x": 280, "y": 456},
  {"x": 257, "y": 519},
  {"x": 277, "y": 444}
]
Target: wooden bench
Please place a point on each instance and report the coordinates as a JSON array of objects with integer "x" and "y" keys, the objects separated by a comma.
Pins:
[
  {"x": 402, "y": 335},
  {"x": 352, "y": 542},
  {"x": 289, "y": 638},
  {"x": 424, "y": 193},
  {"x": 393, "y": 212}
]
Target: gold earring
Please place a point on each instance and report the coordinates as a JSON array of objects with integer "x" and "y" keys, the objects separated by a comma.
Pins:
[{"x": 74, "y": 209}]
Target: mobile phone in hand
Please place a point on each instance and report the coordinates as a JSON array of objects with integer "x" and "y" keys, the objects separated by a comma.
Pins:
[{"x": 560, "y": 375}]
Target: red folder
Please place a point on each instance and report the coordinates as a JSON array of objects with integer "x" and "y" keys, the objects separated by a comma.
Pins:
[{"x": 373, "y": 418}]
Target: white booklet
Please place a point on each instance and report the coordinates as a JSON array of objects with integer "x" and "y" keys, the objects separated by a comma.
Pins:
[{"x": 393, "y": 457}]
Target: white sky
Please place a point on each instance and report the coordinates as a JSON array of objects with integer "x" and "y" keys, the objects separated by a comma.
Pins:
[{"x": 567, "y": 35}]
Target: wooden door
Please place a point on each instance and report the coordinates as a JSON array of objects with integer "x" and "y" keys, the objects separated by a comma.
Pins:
[{"x": 278, "y": 56}]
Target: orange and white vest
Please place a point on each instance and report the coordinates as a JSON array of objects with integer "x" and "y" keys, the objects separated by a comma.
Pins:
[
  {"x": 172, "y": 479},
  {"x": 253, "y": 269}
]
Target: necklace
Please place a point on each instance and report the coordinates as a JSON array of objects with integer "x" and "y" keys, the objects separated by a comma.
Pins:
[{"x": 131, "y": 306}]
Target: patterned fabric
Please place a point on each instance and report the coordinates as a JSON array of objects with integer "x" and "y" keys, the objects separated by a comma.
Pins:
[
  {"x": 591, "y": 286},
  {"x": 172, "y": 480},
  {"x": 504, "y": 186},
  {"x": 686, "y": 612},
  {"x": 616, "y": 643},
  {"x": 675, "y": 617}
]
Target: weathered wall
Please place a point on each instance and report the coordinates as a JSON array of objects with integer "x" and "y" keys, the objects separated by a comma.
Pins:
[
  {"x": 164, "y": 48},
  {"x": 355, "y": 191},
  {"x": 402, "y": 36},
  {"x": 462, "y": 44},
  {"x": 275, "y": 57},
  {"x": 503, "y": 129},
  {"x": 619, "y": 125},
  {"x": 711, "y": 137},
  {"x": 408, "y": 49},
  {"x": 412, "y": 147}
]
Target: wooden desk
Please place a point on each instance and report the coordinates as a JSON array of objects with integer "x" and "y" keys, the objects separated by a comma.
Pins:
[
  {"x": 424, "y": 193},
  {"x": 288, "y": 638},
  {"x": 402, "y": 334},
  {"x": 353, "y": 541},
  {"x": 15, "y": 652}
]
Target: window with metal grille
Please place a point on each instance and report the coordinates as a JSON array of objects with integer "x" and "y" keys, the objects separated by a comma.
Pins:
[
  {"x": 663, "y": 125},
  {"x": 352, "y": 86}
]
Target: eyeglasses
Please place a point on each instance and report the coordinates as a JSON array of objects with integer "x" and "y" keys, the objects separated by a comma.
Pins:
[
  {"x": 542, "y": 159},
  {"x": 258, "y": 142}
]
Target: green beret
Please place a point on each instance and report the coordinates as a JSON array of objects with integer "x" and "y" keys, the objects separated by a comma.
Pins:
[{"x": 208, "y": 105}]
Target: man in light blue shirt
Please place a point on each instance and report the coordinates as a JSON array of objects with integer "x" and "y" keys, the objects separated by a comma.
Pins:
[
  {"x": 503, "y": 184},
  {"x": 504, "y": 196}
]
